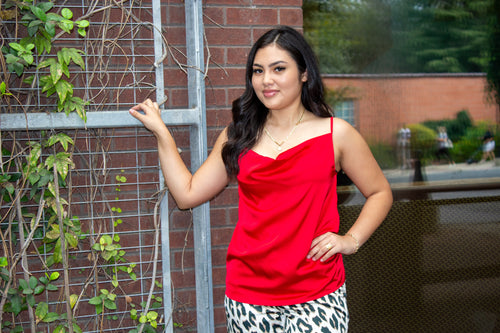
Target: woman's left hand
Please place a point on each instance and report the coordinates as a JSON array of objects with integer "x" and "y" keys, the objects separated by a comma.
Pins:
[{"x": 325, "y": 246}]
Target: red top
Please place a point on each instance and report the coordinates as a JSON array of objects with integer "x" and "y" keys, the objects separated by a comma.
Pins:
[{"x": 284, "y": 203}]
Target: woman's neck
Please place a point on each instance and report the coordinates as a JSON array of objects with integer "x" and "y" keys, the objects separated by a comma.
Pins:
[{"x": 286, "y": 117}]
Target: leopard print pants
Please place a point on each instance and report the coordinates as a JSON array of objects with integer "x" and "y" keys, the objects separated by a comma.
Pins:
[{"x": 327, "y": 314}]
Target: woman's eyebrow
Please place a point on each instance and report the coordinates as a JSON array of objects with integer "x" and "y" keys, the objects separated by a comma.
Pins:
[{"x": 272, "y": 64}]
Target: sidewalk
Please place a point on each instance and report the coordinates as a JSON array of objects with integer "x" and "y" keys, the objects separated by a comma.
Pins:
[{"x": 447, "y": 172}]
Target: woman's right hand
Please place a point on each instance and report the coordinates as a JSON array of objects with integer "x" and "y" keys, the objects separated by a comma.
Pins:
[{"x": 150, "y": 116}]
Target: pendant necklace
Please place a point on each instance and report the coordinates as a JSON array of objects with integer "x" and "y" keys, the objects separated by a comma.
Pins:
[{"x": 279, "y": 144}]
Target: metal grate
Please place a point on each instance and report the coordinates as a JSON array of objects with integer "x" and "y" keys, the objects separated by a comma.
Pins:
[{"x": 125, "y": 56}]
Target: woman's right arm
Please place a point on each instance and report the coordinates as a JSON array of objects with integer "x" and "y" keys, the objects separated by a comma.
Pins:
[{"x": 189, "y": 190}]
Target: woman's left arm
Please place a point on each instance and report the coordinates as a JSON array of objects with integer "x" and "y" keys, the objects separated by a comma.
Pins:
[{"x": 354, "y": 157}]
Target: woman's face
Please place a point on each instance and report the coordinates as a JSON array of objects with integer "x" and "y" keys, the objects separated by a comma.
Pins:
[{"x": 276, "y": 79}]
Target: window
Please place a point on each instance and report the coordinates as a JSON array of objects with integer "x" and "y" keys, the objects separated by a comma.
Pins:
[{"x": 345, "y": 110}]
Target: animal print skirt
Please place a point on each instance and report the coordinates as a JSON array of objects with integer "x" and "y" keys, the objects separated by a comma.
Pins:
[{"x": 327, "y": 314}]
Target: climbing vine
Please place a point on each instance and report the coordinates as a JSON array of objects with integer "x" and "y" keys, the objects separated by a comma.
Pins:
[{"x": 36, "y": 186}]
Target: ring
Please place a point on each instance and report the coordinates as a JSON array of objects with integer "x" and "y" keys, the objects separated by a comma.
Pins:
[{"x": 328, "y": 246}]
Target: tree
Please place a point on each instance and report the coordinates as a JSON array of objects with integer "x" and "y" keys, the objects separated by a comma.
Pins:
[
  {"x": 441, "y": 36},
  {"x": 399, "y": 36},
  {"x": 493, "y": 68}
]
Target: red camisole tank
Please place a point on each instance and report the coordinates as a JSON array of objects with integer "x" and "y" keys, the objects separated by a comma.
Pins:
[{"x": 284, "y": 203}]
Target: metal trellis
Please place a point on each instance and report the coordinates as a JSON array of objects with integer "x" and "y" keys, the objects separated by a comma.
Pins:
[{"x": 194, "y": 116}]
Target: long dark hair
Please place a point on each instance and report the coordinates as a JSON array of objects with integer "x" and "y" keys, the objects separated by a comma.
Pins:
[{"x": 249, "y": 114}]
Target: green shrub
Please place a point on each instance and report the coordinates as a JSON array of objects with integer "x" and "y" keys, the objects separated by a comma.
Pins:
[
  {"x": 384, "y": 154},
  {"x": 470, "y": 144},
  {"x": 423, "y": 142},
  {"x": 455, "y": 128}
]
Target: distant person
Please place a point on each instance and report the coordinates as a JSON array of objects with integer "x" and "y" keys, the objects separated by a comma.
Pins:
[
  {"x": 404, "y": 136},
  {"x": 444, "y": 144},
  {"x": 488, "y": 146}
]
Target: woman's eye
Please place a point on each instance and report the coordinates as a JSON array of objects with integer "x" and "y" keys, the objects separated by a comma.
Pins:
[
  {"x": 279, "y": 69},
  {"x": 257, "y": 70}
]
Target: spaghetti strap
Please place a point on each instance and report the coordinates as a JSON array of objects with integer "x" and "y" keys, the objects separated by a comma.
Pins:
[{"x": 331, "y": 125}]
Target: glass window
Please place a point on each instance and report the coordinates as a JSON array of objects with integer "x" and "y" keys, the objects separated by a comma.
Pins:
[{"x": 345, "y": 110}]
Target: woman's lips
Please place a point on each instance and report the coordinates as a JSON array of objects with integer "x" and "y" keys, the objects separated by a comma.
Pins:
[{"x": 269, "y": 93}]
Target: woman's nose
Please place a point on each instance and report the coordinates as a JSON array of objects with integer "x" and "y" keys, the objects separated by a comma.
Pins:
[{"x": 267, "y": 77}]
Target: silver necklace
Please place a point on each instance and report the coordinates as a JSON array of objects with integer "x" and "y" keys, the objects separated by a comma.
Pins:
[{"x": 279, "y": 144}]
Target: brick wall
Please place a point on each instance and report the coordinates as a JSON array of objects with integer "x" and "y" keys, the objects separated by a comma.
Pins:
[
  {"x": 383, "y": 103},
  {"x": 231, "y": 27}
]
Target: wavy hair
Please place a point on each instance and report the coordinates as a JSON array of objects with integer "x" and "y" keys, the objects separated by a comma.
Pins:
[{"x": 249, "y": 114}]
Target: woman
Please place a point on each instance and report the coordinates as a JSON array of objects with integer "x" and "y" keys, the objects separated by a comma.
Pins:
[{"x": 284, "y": 262}]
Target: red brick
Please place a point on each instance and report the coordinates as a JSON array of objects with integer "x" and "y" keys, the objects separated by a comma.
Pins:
[
  {"x": 276, "y": 3},
  {"x": 215, "y": 97},
  {"x": 292, "y": 17},
  {"x": 228, "y": 36},
  {"x": 218, "y": 118},
  {"x": 251, "y": 16},
  {"x": 175, "y": 15},
  {"x": 175, "y": 35},
  {"x": 215, "y": 55},
  {"x": 227, "y": 77},
  {"x": 228, "y": 2},
  {"x": 221, "y": 236},
  {"x": 237, "y": 55},
  {"x": 214, "y": 16}
]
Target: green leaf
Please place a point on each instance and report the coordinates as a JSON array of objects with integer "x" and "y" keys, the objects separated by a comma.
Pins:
[
  {"x": 33, "y": 282},
  {"x": 30, "y": 299},
  {"x": 62, "y": 162},
  {"x": 39, "y": 12},
  {"x": 23, "y": 284},
  {"x": 16, "y": 46},
  {"x": 77, "y": 328},
  {"x": 67, "y": 13},
  {"x": 82, "y": 32},
  {"x": 66, "y": 25},
  {"x": 56, "y": 72},
  {"x": 73, "y": 298},
  {"x": 43, "y": 43},
  {"x": 59, "y": 329},
  {"x": 52, "y": 234},
  {"x": 41, "y": 310},
  {"x": 54, "y": 276},
  {"x": 46, "y": 63},
  {"x": 39, "y": 289},
  {"x": 63, "y": 89},
  {"x": 35, "y": 153},
  {"x": 109, "y": 304},
  {"x": 74, "y": 55},
  {"x": 57, "y": 252},
  {"x": 95, "y": 300},
  {"x": 51, "y": 317},
  {"x": 83, "y": 23},
  {"x": 45, "y": 6},
  {"x": 50, "y": 27},
  {"x": 64, "y": 139},
  {"x": 152, "y": 315},
  {"x": 16, "y": 305},
  {"x": 51, "y": 287},
  {"x": 3, "y": 88},
  {"x": 4, "y": 262},
  {"x": 72, "y": 240}
]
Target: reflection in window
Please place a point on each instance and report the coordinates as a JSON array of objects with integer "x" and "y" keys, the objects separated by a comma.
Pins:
[{"x": 345, "y": 110}]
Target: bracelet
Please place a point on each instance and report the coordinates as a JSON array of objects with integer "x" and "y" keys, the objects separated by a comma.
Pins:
[{"x": 357, "y": 243}]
